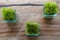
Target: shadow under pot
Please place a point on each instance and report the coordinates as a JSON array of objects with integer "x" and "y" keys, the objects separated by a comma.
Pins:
[
  {"x": 9, "y": 15},
  {"x": 32, "y": 29},
  {"x": 50, "y": 10}
]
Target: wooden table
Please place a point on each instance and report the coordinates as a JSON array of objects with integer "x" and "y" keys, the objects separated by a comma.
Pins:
[{"x": 49, "y": 28}]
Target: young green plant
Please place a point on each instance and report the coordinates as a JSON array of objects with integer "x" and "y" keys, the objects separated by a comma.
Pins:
[
  {"x": 8, "y": 13},
  {"x": 32, "y": 28},
  {"x": 50, "y": 8}
]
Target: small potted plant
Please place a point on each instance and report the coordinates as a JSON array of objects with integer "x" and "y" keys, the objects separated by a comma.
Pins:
[
  {"x": 32, "y": 29},
  {"x": 50, "y": 9},
  {"x": 9, "y": 14}
]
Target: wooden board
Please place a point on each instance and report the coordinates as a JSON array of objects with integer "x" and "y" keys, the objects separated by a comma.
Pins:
[{"x": 49, "y": 28}]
